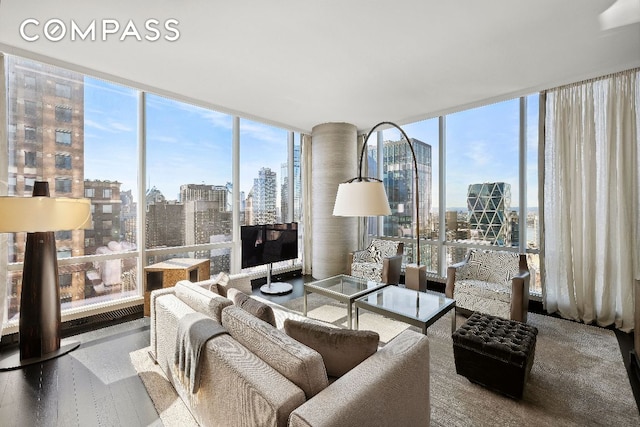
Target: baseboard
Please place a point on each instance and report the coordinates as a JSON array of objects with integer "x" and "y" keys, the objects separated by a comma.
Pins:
[{"x": 89, "y": 323}]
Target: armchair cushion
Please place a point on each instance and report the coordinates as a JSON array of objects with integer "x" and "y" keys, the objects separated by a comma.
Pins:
[
  {"x": 377, "y": 250},
  {"x": 381, "y": 261},
  {"x": 484, "y": 297},
  {"x": 490, "y": 266},
  {"x": 367, "y": 270}
]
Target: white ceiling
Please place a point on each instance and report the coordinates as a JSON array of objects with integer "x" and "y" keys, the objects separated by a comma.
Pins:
[{"x": 297, "y": 63}]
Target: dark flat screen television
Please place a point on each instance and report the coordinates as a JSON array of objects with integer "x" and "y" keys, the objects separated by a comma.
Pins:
[{"x": 268, "y": 243}]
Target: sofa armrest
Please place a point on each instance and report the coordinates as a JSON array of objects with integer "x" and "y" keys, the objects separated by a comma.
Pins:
[
  {"x": 391, "y": 387},
  {"x": 391, "y": 268},
  {"x": 153, "y": 300}
]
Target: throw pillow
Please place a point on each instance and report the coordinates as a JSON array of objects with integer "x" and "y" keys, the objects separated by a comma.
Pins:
[
  {"x": 258, "y": 309},
  {"x": 212, "y": 284},
  {"x": 341, "y": 349},
  {"x": 223, "y": 281}
]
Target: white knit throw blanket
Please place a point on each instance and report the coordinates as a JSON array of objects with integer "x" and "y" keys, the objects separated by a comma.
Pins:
[{"x": 194, "y": 330}]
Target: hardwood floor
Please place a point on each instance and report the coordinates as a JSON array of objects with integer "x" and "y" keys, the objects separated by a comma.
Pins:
[{"x": 95, "y": 385}]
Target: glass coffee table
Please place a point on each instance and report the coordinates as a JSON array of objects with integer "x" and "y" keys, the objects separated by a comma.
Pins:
[
  {"x": 342, "y": 288},
  {"x": 416, "y": 308}
]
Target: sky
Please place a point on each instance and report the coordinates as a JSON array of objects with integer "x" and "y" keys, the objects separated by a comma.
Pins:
[
  {"x": 185, "y": 144},
  {"x": 481, "y": 146},
  {"x": 192, "y": 145}
]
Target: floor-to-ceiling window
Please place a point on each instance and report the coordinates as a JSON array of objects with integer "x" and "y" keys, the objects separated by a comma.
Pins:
[
  {"x": 188, "y": 182},
  {"x": 394, "y": 155},
  {"x": 80, "y": 135},
  {"x": 481, "y": 165},
  {"x": 85, "y": 136},
  {"x": 269, "y": 176}
]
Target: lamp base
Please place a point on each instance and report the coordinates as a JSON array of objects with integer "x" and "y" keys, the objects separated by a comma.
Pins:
[
  {"x": 12, "y": 360},
  {"x": 415, "y": 277}
]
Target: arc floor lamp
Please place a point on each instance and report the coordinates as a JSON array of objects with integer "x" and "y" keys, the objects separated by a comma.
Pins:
[
  {"x": 40, "y": 216},
  {"x": 366, "y": 196}
]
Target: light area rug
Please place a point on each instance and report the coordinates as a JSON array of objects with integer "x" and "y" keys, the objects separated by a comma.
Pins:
[
  {"x": 578, "y": 376},
  {"x": 171, "y": 409}
]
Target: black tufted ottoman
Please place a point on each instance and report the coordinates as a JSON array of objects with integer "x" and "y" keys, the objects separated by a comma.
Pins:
[{"x": 495, "y": 352}]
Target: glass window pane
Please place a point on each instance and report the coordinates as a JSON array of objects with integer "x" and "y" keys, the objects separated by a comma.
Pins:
[
  {"x": 98, "y": 145},
  {"x": 63, "y": 114},
  {"x": 63, "y": 137},
  {"x": 264, "y": 184},
  {"x": 533, "y": 217},
  {"x": 398, "y": 176},
  {"x": 482, "y": 186},
  {"x": 189, "y": 149},
  {"x": 263, "y": 155}
]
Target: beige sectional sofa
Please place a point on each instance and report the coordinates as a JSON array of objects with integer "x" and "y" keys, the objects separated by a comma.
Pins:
[{"x": 257, "y": 375}]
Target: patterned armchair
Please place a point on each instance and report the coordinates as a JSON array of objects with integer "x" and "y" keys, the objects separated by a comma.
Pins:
[
  {"x": 491, "y": 282},
  {"x": 381, "y": 261}
]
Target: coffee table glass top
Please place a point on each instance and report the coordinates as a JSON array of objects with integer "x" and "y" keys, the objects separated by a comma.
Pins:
[
  {"x": 408, "y": 303},
  {"x": 344, "y": 285}
]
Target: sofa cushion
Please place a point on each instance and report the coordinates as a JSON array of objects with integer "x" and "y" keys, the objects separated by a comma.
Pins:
[
  {"x": 341, "y": 349},
  {"x": 300, "y": 364},
  {"x": 260, "y": 310},
  {"x": 202, "y": 300}
]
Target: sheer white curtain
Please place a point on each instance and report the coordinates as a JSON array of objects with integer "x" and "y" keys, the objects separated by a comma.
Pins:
[
  {"x": 591, "y": 199},
  {"x": 4, "y": 171},
  {"x": 307, "y": 217}
]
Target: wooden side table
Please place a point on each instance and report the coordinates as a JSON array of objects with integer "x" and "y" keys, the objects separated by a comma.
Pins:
[{"x": 167, "y": 273}]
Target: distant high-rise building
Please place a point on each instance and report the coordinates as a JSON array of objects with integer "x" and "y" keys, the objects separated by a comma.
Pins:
[
  {"x": 212, "y": 193},
  {"x": 106, "y": 207},
  {"x": 514, "y": 228},
  {"x": 398, "y": 180},
  {"x": 165, "y": 220},
  {"x": 128, "y": 217},
  {"x": 248, "y": 213},
  {"x": 45, "y": 133},
  {"x": 488, "y": 204},
  {"x": 264, "y": 197},
  {"x": 153, "y": 196},
  {"x": 297, "y": 187}
]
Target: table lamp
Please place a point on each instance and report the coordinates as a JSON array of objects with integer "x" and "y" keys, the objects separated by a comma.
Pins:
[{"x": 40, "y": 216}]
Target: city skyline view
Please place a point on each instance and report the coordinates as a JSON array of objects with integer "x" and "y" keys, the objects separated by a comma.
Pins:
[
  {"x": 82, "y": 135},
  {"x": 197, "y": 142},
  {"x": 180, "y": 137}
]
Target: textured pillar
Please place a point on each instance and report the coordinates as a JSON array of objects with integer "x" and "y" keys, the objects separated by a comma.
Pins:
[{"x": 333, "y": 160}]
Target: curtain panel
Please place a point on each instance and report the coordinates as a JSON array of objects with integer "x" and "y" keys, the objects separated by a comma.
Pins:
[
  {"x": 307, "y": 217},
  {"x": 4, "y": 186},
  {"x": 591, "y": 200}
]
